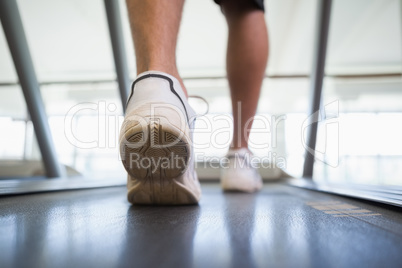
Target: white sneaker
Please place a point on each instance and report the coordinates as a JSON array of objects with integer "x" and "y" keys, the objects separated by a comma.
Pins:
[
  {"x": 239, "y": 174},
  {"x": 156, "y": 142}
]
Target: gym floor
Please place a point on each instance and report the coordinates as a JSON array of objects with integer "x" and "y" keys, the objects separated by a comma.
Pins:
[{"x": 281, "y": 226}]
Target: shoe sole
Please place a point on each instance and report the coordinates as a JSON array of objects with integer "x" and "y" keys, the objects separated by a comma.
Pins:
[
  {"x": 158, "y": 191},
  {"x": 231, "y": 184},
  {"x": 159, "y": 150}
]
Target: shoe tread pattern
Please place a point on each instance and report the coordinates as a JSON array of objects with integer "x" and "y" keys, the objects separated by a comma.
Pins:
[{"x": 160, "y": 153}]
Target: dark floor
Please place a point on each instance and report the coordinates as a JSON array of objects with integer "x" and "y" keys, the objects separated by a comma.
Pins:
[{"x": 279, "y": 227}]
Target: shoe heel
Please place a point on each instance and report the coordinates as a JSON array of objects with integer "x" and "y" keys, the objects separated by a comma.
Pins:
[{"x": 156, "y": 151}]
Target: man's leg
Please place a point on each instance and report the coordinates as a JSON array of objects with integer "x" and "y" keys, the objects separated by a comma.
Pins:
[
  {"x": 155, "y": 138},
  {"x": 155, "y": 26},
  {"x": 247, "y": 56},
  {"x": 246, "y": 62}
]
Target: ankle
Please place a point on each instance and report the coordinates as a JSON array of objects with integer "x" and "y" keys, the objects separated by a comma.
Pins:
[
  {"x": 171, "y": 71},
  {"x": 238, "y": 147}
]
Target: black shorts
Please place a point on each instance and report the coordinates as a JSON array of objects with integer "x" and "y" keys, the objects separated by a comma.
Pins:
[{"x": 259, "y": 4}]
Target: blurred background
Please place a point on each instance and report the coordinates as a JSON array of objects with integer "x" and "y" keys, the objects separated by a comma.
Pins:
[{"x": 361, "y": 143}]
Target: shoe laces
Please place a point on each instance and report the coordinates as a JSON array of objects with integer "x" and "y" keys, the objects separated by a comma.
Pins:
[{"x": 204, "y": 100}]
